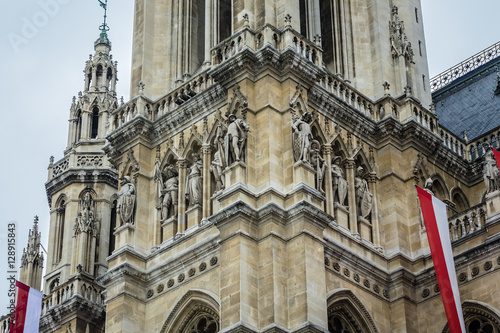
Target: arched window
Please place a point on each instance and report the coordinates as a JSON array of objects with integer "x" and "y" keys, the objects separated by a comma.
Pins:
[
  {"x": 225, "y": 19},
  {"x": 59, "y": 232},
  {"x": 78, "y": 133},
  {"x": 202, "y": 323},
  {"x": 478, "y": 318},
  {"x": 95, "y": 123},
  {"x": 194, "y": 313},
  {"x": 338, "y": 324},
  {"x": 460, "y": 201},
  {"x": 346, "y": 314},
  {"x": 99, "y": 76},
  {"x": 304, "y": 18}
]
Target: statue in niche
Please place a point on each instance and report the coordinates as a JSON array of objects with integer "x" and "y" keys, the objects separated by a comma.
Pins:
[
  {"x": 491, "y": 173},
  {"x": 302, "y": 137},
  {"x": 364, "y": 199},
  {"x": 170, "y": 193},
  {"x": 235, "y": 140},
  {"x": 126, "y": 201},
  {"x": 218, "y": 164},
  {"x": 428, "y": 186},
  {"x": 194, "y": 182},
  {"x": 85, "y": 218},
  {"x": 318, "y": 164},
  {"x": 339, "y": 182}
]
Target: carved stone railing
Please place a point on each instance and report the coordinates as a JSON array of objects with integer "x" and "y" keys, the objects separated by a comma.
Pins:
[
  {"x": 68, "y": 290},
  {"x": 475, "y": 148},
  {"x": 467, "y": 222},
  {"x": 346, "y": 93},
  {"x": 60, "y": 167},
  {"x": 267, "y": 35},
  {"x": 153, "y": 110},
  {"x": 466, "y": 66},
  {"x": 453, "y": 142},
  {"x": 89, "y": 161}
]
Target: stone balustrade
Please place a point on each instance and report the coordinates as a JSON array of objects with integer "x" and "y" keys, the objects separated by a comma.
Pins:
[
  {"x": 344, "y": 92},
  {"x": 467, "y": 222},
  {"x": 475, "y": 148},
  {"x": 453, "y": 142},
  {"x": 59, "y": 167},
  {"x": 63, "y": 293},
  {"x": 267, "y": 35},
  {"x": 153, "y": 110}
]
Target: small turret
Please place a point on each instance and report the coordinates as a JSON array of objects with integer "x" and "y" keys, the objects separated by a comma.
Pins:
[{"x": 32, "y": 259}]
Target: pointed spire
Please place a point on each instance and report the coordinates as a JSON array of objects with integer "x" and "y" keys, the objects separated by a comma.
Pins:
[{"x": 103, "y": 37}]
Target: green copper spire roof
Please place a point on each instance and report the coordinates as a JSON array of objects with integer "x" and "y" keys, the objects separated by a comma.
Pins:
[{"x": 103, "y": 37}]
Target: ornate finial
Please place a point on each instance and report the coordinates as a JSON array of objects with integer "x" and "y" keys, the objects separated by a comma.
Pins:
[
  {"x": 104, "y": 26},
  {"x": 35, "y": 219},
  {"x": 288, "y": 20}
]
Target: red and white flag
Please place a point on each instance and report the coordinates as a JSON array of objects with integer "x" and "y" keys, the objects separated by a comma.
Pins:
[
  {"x": 28, "y": 309},
  {"x": 497, "y": 156},
  {"x": 436, "y": 224}
]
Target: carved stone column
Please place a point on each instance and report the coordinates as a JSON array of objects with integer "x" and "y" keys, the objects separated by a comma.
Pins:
[
  {"x": 181, "y": 219},
  {"x": 353, "y": 214},
  {"x": 372, "y": 184},
  {"x": 206, "y": 180},
  {"x": 327, "y": 155}
]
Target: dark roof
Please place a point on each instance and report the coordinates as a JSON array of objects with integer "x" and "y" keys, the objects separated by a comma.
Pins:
[{"x": 469, "y": 103}]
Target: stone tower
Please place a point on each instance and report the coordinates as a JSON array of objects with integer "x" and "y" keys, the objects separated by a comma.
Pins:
[
  {"x": 32, "y": 259},
  {"x": 81, "y": 190},
  {"x": 267, "y": 159}
]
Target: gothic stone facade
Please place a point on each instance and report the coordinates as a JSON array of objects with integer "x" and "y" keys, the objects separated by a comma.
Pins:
[{"x": 261, "y": 178}]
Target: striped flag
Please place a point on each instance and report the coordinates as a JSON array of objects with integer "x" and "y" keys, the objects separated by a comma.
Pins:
[
  {"x": 497, "y": 156},
  {"x": 28, "y": 309},
  {"x": 436, "y": 223}
]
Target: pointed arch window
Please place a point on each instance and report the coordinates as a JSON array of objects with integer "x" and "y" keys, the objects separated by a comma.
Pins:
[
  {"x": 478, "y": 318},
  {"x": 59, "y": 232},
  {"x": 225, "y": 19},
  {"x": 333, "y": 31},
  {"x": 78, "y": 133},
  {"x": 95, "y": 123},
  {"x": 304, "y": 19}
]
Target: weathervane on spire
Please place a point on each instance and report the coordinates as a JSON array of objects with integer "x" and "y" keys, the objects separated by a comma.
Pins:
[{"x": 104, "y": 27}]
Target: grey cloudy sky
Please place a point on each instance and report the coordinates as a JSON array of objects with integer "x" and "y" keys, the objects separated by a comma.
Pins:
[{"x": 44, "y": 45}]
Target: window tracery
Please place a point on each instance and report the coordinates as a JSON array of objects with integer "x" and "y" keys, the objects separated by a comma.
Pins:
[{"x": 202, "y": 323}]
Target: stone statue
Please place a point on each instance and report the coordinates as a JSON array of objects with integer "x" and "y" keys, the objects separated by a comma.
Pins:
[
  {"x": 302, "y": 137},
  {"x": 218, "y": 164},
  {"x": 339, "y": 182},
  {"x": 318, "y": 164},
  {"x": 236, "y": 139},
  {"x": 158, "y": 178},
  {"x": 85, "y": 218},
  {"x": 194, "y": 182},
  {"x": 491, "y": 173},
  {"x": 170, "y": 193},
  {"x": 126, "y": 201},
  {"x": 428, "y": 186},
  {"x": 364, "y": 199}
]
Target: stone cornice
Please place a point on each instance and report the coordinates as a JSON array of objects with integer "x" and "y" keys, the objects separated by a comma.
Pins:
[
  {"x": 81, "y": 176},
  {"x": 250, "y": 64}
]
